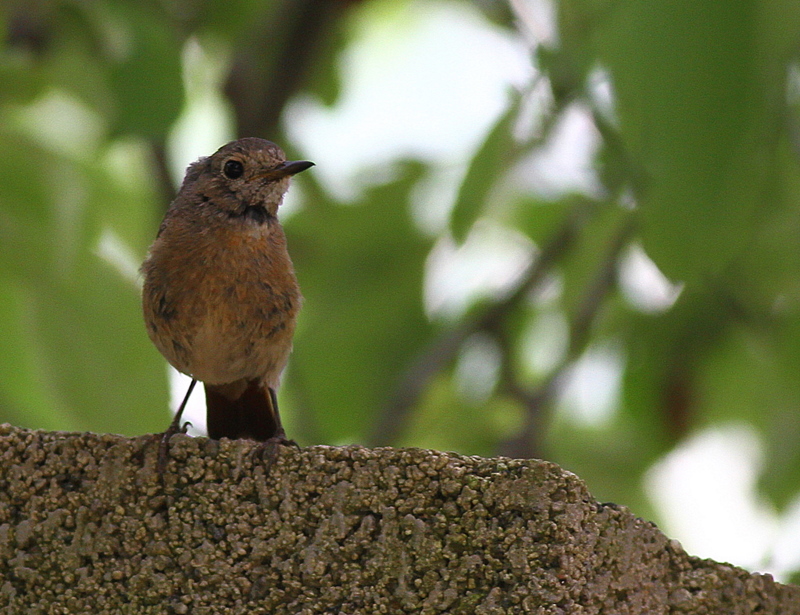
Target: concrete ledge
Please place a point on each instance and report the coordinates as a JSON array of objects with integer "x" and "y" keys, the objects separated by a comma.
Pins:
[{"x": 86, "y": 526}]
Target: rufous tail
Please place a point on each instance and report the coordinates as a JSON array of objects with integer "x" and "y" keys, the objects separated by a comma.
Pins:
[{"x": 244, "y": 409}]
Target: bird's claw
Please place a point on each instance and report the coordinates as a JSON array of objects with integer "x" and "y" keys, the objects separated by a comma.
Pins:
[
  {"x": 163, "y": 445},
  {"x": 268, "y": 451}
]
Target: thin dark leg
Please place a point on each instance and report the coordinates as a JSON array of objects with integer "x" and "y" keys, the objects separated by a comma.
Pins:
[
  {"x": 174, "y": 427},
  {"x": 280, "y": 435},
  {"x": 176, "y": 421},
  {"x": 279, "y": 431},
  {"x": 269, "y": 450}
]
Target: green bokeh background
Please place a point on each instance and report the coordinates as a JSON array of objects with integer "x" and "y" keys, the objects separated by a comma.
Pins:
[{"x": 698, "y": 163}]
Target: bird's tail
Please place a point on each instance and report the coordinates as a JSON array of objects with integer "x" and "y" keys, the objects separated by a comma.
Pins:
[{"x": 243, "y": 409}]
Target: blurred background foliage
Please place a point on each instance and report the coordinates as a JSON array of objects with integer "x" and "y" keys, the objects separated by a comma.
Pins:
[{"x": 465, "y": 301}]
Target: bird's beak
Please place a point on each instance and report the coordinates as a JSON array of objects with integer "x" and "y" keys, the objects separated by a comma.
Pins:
[{"x": 285, "y": 169}]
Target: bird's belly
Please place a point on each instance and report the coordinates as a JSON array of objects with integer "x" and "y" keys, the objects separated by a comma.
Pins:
[
  {"x": 220, "y": 354},
  {"x": 224, "y": 341},
  {"x": 231, "y": 318}
]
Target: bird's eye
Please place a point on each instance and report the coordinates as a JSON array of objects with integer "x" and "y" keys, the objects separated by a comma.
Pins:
[{"x": 233, "y": 169}]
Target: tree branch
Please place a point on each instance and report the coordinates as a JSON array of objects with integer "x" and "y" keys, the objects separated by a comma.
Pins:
[
  {"x": 276, "y": 62},
  {"x": 442, "y": 351},
  {"x": 539, "y": 402}
]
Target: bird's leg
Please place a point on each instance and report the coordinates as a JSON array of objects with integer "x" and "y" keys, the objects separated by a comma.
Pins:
[
  {"x": 280, "y": 434},
  {"x": 174, "y": 427},
  {"x": 269, "y": 449}
]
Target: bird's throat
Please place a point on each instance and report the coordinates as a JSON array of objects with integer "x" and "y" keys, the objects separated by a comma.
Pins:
[{"x": 255, "y": 213}]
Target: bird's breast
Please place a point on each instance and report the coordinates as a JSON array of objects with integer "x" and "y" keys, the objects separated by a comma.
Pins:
[{"x": 226, "y": 307}]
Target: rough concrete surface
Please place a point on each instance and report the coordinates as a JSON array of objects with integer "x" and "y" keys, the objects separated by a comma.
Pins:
[{"x": 87, "y": 526}]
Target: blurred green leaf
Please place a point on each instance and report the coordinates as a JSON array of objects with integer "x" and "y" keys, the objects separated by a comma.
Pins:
[
  {"x": 124, "y": 197},
  {"x": 489, "y": 165},
  {"x": 228, "y": 19},
  {"x": 19, "y": 70},
  {"x": 76, "y": 351},
  {"x": 694, "y": 110},
  {"x": 93, "y": 326},
  {"x": 27, "y": 220},
  {"x": 145, "y": 70},
  {"x": 540, "y": 219},
  {"x": 360, "y": 268},
  {"x": 750, "y": 377},
  {"x": 447, "y": 421},
  {"x": 584, "y": 262},
  {"x": 665, "y": 352},
  {"x": 25, "y": 395}
]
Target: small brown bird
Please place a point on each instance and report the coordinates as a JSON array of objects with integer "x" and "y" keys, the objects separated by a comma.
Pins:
[{"x": 220, "y": 295}]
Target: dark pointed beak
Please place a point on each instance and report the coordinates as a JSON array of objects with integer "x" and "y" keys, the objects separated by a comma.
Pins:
[{"x": 285, "y": 169}]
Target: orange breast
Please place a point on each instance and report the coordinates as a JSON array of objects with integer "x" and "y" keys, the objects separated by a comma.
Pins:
[{"x": 222, "y": 305}]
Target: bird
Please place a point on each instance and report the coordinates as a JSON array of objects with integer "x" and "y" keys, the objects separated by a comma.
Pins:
[{"x": 220, "y": 296}]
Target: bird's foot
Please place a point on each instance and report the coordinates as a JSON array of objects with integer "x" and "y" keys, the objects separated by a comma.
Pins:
[
  {"x": 268, "y": 450},
  {"x": 163, "y": 444},
  {"x": 174, "y": 427}
]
